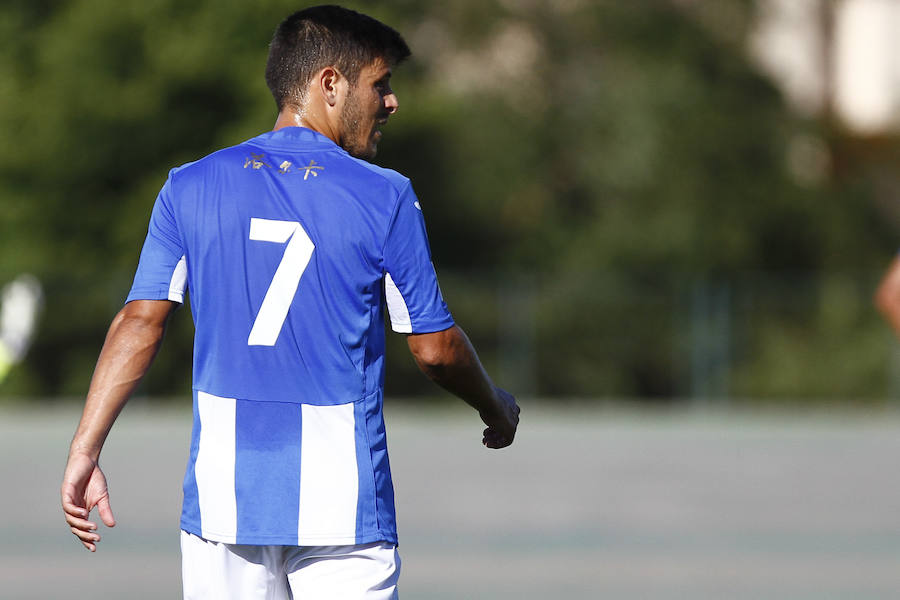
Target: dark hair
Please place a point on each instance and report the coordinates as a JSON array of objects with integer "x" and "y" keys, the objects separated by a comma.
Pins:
[{"x": 323, "y": 36}]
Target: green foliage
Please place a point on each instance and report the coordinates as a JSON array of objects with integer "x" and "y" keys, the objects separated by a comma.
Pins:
[{"x": 616, "y": 152}]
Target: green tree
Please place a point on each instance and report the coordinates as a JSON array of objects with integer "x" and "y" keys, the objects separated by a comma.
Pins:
[{"x": 610, "y": 155}]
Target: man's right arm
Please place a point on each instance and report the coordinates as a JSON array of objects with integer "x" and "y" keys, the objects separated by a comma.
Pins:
[
  {"x": 131, "y": 344},
  {"x": 448, "y": 358}
]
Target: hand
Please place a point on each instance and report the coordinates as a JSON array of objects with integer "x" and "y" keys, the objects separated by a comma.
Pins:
[
  {"x": 83, "y": 488},
  {"x": 501, "y": 423}
]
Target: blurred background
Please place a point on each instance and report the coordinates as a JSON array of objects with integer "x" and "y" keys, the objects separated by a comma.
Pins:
[
  {"x": 658, "y": 220},
  {"x": 658, "y": 201}
]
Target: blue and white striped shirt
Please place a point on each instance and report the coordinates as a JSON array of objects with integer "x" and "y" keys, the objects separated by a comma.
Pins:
[{"x": 290, "y": 249}]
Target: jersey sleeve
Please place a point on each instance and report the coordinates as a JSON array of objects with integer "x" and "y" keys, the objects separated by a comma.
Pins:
[
  {"x": 162, "y": 270},
  {"x": 411, "y": 290}
]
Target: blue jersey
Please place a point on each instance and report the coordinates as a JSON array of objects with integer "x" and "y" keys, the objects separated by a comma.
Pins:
[{"x": 290, "y": 249}]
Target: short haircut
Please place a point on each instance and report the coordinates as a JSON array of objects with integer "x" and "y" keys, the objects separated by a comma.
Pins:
[{"x": 326, "y": 36}]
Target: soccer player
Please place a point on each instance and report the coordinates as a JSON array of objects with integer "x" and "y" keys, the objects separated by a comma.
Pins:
[{"x": 291, "y": 245}]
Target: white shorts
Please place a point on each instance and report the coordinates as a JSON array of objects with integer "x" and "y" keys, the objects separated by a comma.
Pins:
[{"x": 218, "y": 571}]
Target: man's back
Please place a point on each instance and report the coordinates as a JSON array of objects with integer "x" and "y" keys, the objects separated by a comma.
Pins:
[{"x": 285, "y": 242}]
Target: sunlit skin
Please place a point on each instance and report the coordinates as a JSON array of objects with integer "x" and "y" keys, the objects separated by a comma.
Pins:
[{"x": 350, "y": 115}]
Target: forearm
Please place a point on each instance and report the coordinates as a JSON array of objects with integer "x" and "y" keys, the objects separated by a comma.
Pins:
[
  {"x": 131, "y": 344},
  {"x": 457, "y": 368}
]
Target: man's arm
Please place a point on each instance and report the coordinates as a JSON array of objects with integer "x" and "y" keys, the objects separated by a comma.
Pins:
[
  {"x": 887, "y": 297},
  {"x": 131, "y": 344},
  {"x": 449, "y": 359}
]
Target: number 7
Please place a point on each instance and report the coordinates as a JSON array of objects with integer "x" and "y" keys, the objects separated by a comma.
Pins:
[{"x": 280, "y": 295}]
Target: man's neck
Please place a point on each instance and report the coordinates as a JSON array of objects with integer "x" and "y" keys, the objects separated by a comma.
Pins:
[{"x": 310, "y": 119}]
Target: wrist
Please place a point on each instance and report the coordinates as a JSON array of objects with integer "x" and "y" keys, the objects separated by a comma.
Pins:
[
  {"x": 82, "y": 448},
  {"x": 492, "y": 408}
]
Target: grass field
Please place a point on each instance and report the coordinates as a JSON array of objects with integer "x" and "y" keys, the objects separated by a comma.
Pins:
[{"x": 587, "y": 504}]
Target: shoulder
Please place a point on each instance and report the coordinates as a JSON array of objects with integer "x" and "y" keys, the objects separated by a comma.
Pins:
[
  {"x": 375, "y": 173},
  {"x": 211, "y": 162}
]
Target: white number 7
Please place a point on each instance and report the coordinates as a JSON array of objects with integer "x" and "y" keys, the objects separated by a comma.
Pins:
[{"x": 284, "y": 284}]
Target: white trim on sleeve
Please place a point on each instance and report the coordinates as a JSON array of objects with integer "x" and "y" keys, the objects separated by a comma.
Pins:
[
  {"x": 397, "y": 309},
  {"x": 178, "y": 281}
]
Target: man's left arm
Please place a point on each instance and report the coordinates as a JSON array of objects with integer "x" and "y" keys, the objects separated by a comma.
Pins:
[{"x": 131, "y": 344}]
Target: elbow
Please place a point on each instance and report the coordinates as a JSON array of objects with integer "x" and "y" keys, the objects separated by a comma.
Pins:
[
  {"x": 434, "y": 353},
  {"x": 431, "y": 359},
  {"x": 142, "y": 317},
  {"x": 130, "y": 320}
]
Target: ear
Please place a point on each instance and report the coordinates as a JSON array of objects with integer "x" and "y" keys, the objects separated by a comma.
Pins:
[{"x": 332, "y": 85}]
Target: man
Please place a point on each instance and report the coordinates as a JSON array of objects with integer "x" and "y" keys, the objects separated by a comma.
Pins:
[{"x": 290, "y": 244}]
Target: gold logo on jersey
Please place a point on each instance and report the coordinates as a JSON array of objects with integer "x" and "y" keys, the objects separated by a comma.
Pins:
[
  {"x": 311, "y": 168},
  {"x": 256, "y": 161}
]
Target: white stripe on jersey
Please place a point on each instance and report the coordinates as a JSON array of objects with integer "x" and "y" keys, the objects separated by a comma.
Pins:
[
  {"x": 214, "y": 469},
  {"x": 178, "y": 281},
  {"x": 397, "y": 309},
  {"x": 329, "y": 476}
]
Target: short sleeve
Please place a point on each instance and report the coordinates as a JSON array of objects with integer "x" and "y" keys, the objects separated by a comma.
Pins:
[
  {"x": 162, "y": 270},
  {"x": 414, "y": 300}
]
